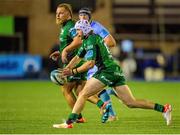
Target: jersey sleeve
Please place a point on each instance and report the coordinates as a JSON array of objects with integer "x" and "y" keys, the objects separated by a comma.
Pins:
[{"x": 99, "y": 29}]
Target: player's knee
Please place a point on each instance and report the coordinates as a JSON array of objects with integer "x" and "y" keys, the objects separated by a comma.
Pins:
[{"x": 79, "y": 93}]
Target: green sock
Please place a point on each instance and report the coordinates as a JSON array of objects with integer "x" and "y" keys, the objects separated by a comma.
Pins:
[
  {"x": 158, "y": 107},
  {"x": 73, "y": 116},
  {"x": 100, "y": 103},
  {"x": 80, "y": 116}
]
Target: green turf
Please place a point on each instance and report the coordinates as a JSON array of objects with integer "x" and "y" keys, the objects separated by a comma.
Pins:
[{"x": 28, "y": 107}]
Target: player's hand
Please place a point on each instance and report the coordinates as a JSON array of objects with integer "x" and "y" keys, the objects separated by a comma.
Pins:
[
  {"x": 55, "y": 55},
  {"x": 67, "y": 72},
  {"x": 64, "y": 56}
]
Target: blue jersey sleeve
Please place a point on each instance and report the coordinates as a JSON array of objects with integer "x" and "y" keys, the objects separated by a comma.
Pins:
[{"x": 99, "y": 29}]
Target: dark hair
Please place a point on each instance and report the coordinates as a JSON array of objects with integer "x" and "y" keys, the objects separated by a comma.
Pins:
[{"x": 86, "y": 11}]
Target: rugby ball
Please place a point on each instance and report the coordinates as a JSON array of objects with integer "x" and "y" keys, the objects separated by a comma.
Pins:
[{"x": 57, "y": 77}]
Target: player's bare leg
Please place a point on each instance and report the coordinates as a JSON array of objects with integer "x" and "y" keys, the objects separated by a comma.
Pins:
[
  {"x": 124, "y": 94},
  {"x": 67, "y": 90},
  {"x": 91, "y": 88},
  {"x": 102, "y": 105},
  {"x": 78, "y": 88},
  {"x": 68, "y": 94},
  {"x": 80, "y": 85},
  {"x": 88, "y": 93},
  {"x": 93, "y": 99}
]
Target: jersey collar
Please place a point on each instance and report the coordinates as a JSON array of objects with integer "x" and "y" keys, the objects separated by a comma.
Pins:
[{"x": 64, "y": 23}]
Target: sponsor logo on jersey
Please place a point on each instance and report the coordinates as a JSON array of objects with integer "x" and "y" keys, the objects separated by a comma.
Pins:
[
  {"x": 89, "y": 54},
  {"x": 118, "y": 74},
  {"x": 73, "y": 32}
]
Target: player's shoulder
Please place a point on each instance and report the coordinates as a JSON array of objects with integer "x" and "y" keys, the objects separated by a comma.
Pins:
[
  {"x": 70, "y": 24},
  {"x": 95, "y": 23},
  {"x": 69, "y": 27},
  {"x": 92, "y": 39}
]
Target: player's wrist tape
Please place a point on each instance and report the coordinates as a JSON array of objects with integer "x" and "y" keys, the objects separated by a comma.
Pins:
[
  {"x": 77, "y": 71},
  {"x": 72, "y": 71}
]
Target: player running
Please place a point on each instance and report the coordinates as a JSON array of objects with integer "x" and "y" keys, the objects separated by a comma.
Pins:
[
  {"x": 85, "y": 13},
  {"x": 64, "y": 19},
  {"x": 109, "y": 73}
]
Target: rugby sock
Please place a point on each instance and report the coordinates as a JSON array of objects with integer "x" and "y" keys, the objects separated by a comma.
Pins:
[
  {"x": 72, "y": 118},
  {"x": 111, "y": 110},
  {"x": 100, "y": 103},
  {"x": 110, "y": 91},
  {"x": 158, "y": 107},
  {"x": 80, "y": 116},
  {"x": 104, "y": 96}
]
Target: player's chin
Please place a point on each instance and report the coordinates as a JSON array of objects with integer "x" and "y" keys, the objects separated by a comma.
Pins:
[{"x": 58, "y": 22}]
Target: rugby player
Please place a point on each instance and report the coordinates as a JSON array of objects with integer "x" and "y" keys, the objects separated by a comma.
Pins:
[
  {"x": 109, "y": 74},
  {"x": 64, "y": 19}
]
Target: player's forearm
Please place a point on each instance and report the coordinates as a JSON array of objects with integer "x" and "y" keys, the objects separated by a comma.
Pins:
[
  {"x": 110, "y": 41},
  {"x": 85, "y": 67},
  {"x": 76, "y": 43},
  {"x": 73, "y": 62}
]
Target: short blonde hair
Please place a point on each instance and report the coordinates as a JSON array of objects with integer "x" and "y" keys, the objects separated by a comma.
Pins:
[{"x": 67, "y": 7}]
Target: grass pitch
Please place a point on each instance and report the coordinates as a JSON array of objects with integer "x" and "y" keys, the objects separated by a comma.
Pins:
[{"x": 32, "y": 107}]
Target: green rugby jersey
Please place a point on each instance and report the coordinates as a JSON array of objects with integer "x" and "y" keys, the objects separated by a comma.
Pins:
[
  {"x": 93, "y": 48},
  {"x": 67, "y": 33}
]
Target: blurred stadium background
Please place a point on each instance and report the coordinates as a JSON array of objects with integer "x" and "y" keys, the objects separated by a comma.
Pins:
[
  {"x": 147, "y": 34},
  {"x": 148, "y": 48}
]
